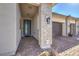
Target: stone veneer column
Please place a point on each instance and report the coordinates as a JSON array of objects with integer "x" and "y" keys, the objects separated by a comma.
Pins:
[{"x": 45, "y": 29}]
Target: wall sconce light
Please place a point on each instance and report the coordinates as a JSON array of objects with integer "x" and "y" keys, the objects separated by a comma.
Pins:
[{"x": 48, "y": 20}]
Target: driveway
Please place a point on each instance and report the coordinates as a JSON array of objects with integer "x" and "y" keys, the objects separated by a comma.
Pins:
[{"x": 61, "y": 43}]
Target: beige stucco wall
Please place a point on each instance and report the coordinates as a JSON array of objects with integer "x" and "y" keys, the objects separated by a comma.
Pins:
[
  {"x": 9, "y": 28},
  {"x": 18, "y": 29},
  {"x": 35, "y": 26},
  {"x": 61, "y": 18},
  {"x": 58, "y": 18}
]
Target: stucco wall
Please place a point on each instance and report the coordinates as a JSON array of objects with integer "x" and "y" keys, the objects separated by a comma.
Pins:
[
  {"x": 61, "y": 18},
  {"x": 18, "y": 29},
  {"x": 58, "y": 17},
  {"x": 64, "y": 29},
  {"x": 35, "y": 26},
  {"x": 9, "y": 28}
]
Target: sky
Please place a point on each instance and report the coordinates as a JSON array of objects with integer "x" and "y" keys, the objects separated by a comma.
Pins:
[{"x": 71, "y": 9}]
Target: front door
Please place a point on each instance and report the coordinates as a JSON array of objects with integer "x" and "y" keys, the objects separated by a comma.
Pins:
[{"x": 27, "y": 27}]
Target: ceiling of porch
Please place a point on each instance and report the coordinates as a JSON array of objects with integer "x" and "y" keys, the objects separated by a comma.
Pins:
[{"x": 28, "y": 10}]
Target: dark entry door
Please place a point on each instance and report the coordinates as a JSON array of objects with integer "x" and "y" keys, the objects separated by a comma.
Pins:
[{"x": 27, "y": 27}]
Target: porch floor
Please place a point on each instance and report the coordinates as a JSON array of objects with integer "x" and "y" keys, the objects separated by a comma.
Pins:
[{"x": 28, "y": 47}]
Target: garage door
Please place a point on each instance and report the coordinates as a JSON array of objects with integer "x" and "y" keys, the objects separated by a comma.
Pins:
[{"x": 57, "y": 29}]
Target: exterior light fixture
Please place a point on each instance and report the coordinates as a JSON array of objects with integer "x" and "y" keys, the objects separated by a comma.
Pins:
[{"x": 48, "y": 20}]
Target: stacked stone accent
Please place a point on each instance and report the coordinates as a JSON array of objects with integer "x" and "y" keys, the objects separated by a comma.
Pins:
[{"x": 46, "y": 29}]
